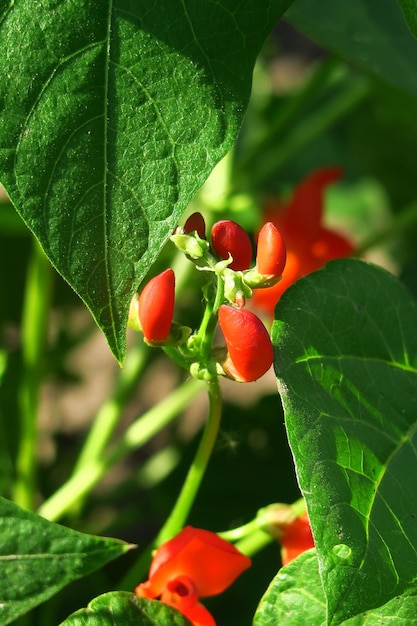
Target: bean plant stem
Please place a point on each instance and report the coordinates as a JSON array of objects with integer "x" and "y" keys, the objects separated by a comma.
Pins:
[
  {"x": 254, "y": 543},
  {"x": 34, "y": 334},
  {"x": 135, "y": 436},
  {"x": 191, "y": 485},
  {"x": 197, "y": 470}
]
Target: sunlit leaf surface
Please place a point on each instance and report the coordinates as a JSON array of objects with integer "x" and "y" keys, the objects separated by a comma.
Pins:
[{"x": 346, "y": 363}]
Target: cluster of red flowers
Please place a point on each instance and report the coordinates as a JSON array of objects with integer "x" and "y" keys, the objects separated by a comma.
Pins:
[
  {"x": 243, "y": 361},
  {"x": 309, "y": 243}
]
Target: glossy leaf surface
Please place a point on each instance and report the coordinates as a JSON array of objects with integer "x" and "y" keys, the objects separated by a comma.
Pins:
[
  {"x": 295, "y": 597},
  {"x": 112, "y": 116},
  {"x": 346, "y": 363}
]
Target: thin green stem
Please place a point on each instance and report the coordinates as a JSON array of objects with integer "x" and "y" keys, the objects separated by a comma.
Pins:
[
  {"x": 191, "y": 485},
  {"x": 139, "y": 433},
  {"x": 197, "y": 470},
  {"x": 209, "y": 322},
  {"x": 34, "y": 333},
  {"x": 254, "y": 543}
]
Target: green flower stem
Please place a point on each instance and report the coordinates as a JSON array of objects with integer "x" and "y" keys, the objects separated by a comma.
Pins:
[
  {"x": 34, "y": 334},
  {"x": 265, "y": 517},
  {"x": 139, "y": 433},
  {"x": 236, "y": 534},
  {"x": 196, "y": 472},
  {"x": 186, "y": 498},
  {"x": 209, "y": 321},
  {"x": 254, "y": 543}
]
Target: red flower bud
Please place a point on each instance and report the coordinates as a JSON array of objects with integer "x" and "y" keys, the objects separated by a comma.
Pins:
[
  {"x": 156, "y": 306},
  {"x": 297, "y": 538},
  {"x": 248, "y": 344},
  {"x": 271, "y": 253},
  {"x": 228, "y": 238},
  {"x": 195, "y": 223}
]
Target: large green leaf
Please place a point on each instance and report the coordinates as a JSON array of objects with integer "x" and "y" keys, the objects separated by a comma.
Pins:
[
  {"x": 38, "y": 558},
  {"x": 112, "y": 115},
  {"x": 346, "y": 363},
  {"x": 125, "y": 609},
  {"x": 295, "y": 598},
  {"x": 372, "y": 35}
]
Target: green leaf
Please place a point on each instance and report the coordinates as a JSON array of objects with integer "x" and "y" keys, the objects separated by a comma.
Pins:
[
  {"x": 371, "y": 35},
  {"x": 346, "y": 358},
  {"x": 295, "y": 597},
  {"x": 400, "y": 611},
  {"x": 38, "y": 558},
  {"x": 409, "y": 8},
  {"x": 125, "y": 609},
  {"x": 112, "y": 116}
]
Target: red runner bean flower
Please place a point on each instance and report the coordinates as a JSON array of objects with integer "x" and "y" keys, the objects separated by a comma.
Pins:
[
  {"x": 228, "y": 238},
  {"x": 297, "y": 538},
  {"x": 309, "y": 243},
  {"x": 250, "y": 352},
  {"x": 156, "y": 306},
  {"x": 195, "y": 563}
]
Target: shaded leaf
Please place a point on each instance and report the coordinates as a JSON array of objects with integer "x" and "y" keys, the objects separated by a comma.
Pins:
[
  {"x": 295, "y": 597},
  {"x": 112, "y": 116},
  {"x": 120, "y": 608},
  {"x": 38, "y": 558},
  {"x": 400, "y": 611},
  {"x": 346, "y": 363},
  {"x": 372, "y": 37}
]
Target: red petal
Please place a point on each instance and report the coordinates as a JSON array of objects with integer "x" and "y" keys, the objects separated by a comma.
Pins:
[
  {"x": 197, "y": 223},
  {"x": 156, "y": 306},
  {"x": 271, "y": 252},
  {"x": 227, "y": 237},
  {"x": 301, "y": 219},
  {"x": 296, "y": 539},
  {"x": 248, "y": 343},
  {"x": 212, "y": 563}
]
